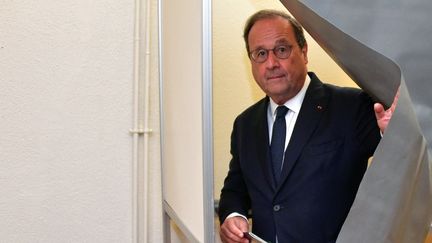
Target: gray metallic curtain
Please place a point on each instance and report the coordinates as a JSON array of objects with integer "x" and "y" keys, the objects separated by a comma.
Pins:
[{"x": 381, "y": 45}]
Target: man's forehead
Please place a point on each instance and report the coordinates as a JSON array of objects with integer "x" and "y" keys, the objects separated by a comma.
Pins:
[
  {"x": 269, "y": 38},
  {"x": 275, "y": 21}
]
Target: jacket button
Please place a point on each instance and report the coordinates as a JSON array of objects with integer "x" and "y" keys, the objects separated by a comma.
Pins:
[{"x": 276, "y": 208}]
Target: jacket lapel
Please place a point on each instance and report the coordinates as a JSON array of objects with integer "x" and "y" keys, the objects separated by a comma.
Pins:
[
  {"x": 314, "y": 104},
  {"x": 262, "y": 142}
]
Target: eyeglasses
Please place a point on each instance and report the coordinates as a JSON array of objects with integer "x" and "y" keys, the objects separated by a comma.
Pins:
[{"x": 260, "y": 55}]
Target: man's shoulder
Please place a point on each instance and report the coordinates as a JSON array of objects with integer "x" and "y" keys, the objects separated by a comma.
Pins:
[
  {"x": 346, "y": 95},
  {"x": 356, "y": 94},
  {"x": 317, "y": 82},
  {"x": 259, "y": 108},
  {"x": 342, "y": 90}
]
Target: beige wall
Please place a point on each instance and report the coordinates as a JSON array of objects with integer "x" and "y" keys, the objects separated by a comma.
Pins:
[
  {"x": 66, "y": 106},
  {"x": 233, "y": 85},
  {"x": 66, "y": 102}
]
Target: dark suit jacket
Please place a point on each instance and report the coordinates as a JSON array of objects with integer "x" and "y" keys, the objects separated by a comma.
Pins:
[{"x": 335, "y": 134}]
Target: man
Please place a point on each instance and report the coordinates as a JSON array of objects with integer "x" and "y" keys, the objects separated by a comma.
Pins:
[{"x": 297, "y": 169}]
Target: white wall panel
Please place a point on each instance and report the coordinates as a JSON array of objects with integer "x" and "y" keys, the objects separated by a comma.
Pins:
[
  {"x": 65, "y": 112},
  {"x": 183, "y": 114}
]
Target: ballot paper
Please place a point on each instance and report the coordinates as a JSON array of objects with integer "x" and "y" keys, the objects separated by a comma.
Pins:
[{"x": 253, "y": 238}]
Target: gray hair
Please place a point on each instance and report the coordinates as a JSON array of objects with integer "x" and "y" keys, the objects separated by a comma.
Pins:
[{"x": 270, "y": 14}]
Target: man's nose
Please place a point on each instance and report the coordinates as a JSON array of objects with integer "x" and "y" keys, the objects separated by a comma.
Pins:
[{"x": 272, "y": 60}]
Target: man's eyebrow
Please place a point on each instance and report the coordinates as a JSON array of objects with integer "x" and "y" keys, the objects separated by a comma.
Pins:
[{"x": 282, "y": 41}]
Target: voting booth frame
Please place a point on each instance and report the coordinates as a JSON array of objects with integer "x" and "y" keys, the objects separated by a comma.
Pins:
[
  {"x": 186, "y": 119},
  {"x": 185, "y": 61}
]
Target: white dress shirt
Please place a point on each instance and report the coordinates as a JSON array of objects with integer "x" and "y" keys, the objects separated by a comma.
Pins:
[{"x": 294, "y": 105}]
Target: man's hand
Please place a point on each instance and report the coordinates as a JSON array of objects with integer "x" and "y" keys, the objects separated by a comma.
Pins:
[
  {"x": 232, "y": 230},
  {"x": 383, "y": 116}
]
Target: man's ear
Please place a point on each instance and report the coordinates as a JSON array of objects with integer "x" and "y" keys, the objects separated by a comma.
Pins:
[{"x": 304, "y": 52}]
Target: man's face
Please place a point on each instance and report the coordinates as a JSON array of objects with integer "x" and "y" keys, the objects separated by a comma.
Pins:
[{"x": 281, "y": 79}]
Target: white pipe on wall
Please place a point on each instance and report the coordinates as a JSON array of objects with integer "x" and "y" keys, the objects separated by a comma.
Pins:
[
  {"x": 136, "y": 131},
  {"x": 140, "y": 130},
  {"x": 147, "y": 131}
]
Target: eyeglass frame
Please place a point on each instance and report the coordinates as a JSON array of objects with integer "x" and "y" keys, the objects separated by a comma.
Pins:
[{"x": 288, "y": 47}]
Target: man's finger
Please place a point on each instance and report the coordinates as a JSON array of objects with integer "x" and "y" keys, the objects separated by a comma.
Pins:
[
  {"x": 230, "y": 230},
  {"x": 379, "y": 110}
]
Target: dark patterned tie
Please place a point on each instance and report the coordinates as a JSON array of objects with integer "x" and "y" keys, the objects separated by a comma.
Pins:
[{"x": 277, "y": 146}]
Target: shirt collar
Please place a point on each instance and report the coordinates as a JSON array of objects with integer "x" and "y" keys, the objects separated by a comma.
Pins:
[{"x": 294, "y": 104}]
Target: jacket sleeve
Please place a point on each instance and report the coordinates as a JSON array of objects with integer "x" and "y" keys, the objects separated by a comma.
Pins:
[
  {"x": 234, "y": 194},
  {"x": 366, "y": 126}
]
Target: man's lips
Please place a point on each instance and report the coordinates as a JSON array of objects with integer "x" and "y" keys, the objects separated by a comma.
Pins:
[{"x": 275, "y": 77}]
